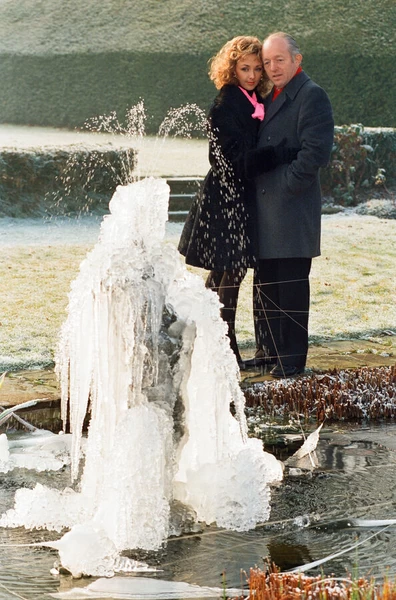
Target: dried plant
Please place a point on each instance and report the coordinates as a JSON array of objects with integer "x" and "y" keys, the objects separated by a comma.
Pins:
[
  {"x": 365, "y": 393},
  {"x": 271, "y": 584}
]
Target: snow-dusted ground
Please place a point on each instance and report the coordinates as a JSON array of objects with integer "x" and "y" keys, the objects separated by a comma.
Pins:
[{"x": 59, "y": 230}]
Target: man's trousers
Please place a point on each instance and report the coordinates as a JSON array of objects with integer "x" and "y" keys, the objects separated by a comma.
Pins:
[{"x": 281, "y": 306}]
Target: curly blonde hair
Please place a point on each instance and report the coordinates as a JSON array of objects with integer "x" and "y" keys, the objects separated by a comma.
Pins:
[{"x": 222, "y": 65}]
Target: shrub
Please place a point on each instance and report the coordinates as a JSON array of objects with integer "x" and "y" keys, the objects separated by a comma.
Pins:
[
  {"x": 360, "y": 159},
  {"x": 57, "y": 181}
]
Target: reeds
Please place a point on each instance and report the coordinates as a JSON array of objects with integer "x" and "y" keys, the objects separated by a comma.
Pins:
[
  {"x": 365, "y": 393},
  {"x": 273, "y": 585}
]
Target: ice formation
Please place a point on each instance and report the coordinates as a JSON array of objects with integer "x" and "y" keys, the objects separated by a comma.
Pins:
[
  {"x": 39, "y": 450},
  {"x": 139, "y": 588},
  {"x": 145, "y": 351}
]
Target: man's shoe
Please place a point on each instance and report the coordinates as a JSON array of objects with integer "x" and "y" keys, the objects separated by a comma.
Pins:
[{"x": 280, "y": 372}]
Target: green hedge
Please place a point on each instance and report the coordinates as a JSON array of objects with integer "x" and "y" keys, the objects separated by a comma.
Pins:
[
  {"x": 66, "y": 90},
  {"x": 60, "y": 182},
  {"x": 81, "y": 180}
]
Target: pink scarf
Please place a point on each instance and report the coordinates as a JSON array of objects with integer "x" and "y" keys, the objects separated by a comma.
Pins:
[{"x": 258, "y": 107}]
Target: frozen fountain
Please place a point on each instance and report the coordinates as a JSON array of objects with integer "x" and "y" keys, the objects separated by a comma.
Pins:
[{"x": 145, "y": 354}]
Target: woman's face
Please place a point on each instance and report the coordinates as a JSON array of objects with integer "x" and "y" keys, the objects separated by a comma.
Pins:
[{"x": 248, "y": 71}]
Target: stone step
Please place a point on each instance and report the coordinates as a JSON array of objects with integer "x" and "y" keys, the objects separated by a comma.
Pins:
[{"x": 182, "y": 192}]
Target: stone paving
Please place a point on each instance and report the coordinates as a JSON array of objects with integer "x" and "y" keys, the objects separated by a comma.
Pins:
[{"x": 42, "y": 385}]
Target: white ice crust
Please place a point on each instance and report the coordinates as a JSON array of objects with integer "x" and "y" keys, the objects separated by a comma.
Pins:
[
  {"x": 39, "y": 450},
  {"x": 143, "y": 588}
]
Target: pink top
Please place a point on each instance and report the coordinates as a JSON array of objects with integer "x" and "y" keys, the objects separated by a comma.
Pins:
[{"x": 258, "y": 107}]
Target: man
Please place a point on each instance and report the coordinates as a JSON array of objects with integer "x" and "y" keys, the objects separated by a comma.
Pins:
[{"x": 297, "y": 113}]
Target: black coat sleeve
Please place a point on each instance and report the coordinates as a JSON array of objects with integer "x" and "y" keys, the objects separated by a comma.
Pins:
[{"x": 228, "y": 141}]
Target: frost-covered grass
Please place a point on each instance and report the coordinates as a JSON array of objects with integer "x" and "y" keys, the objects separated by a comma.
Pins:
[
  {"x": 353, "y": 289},
  {"x": 353, "y": 282},
  {"x": 33, "y": 298}
]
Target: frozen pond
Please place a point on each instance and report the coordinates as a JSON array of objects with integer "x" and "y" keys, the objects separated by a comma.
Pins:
[{"x": 312, "y": 512}]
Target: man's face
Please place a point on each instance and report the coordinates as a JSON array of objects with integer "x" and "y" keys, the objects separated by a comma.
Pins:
[{"x": 279, "y": 64}]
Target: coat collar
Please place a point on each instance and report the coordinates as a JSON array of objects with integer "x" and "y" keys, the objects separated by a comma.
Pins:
[
  {"x": 290, "y": 92},
  {"x": 231, "y": 99},
  {"x": 232, "y": 93}
]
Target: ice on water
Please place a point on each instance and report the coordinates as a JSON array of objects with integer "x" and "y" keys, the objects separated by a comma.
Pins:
[
  {"x": 145, "y": 351},
  {"x": 39, "y": 450},
  {"x": 141, "y": 588}
]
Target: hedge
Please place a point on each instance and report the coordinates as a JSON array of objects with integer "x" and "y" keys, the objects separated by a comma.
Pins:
[
  {"x": 81, "y": 180},
  {"x": 66, "y": 90},
  {"x": 60, "y": 182}
]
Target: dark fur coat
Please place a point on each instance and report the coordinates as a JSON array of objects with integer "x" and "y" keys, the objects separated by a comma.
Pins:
[{"x": 220, "y": 229}]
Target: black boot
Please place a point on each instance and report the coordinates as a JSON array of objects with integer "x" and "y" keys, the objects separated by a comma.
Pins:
[
  {"x": 234, "y": 344},
  {"x": 260, "y": 360}
]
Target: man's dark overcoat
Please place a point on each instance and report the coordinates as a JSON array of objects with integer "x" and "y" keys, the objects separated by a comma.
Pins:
[
  {"x": 289, "y": 197},
  {"x": 220, "y": 230}
]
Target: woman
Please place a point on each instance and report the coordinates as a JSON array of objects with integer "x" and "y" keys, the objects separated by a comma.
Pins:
[{"x": 219, "y": 233}]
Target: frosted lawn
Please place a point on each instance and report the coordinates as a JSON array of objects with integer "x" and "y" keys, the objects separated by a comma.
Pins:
[{"x": 353, "y": 283}]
